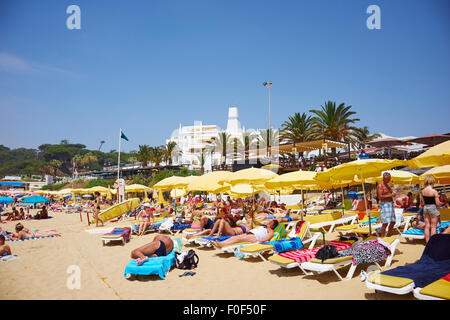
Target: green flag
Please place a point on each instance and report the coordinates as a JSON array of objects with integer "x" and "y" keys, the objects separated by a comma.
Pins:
[{"x": 123, "y": 136}]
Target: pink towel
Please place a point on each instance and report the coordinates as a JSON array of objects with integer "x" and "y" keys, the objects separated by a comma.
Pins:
[{"x": 305, "y": 255}]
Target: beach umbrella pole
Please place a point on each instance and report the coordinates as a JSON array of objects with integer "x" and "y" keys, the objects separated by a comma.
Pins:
[
  {"x": 343, "y": 205},
  {"x": 365, "y": 202}
]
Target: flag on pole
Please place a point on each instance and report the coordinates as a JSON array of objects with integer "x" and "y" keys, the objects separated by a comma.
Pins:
[{"x": 123, "y": 136}]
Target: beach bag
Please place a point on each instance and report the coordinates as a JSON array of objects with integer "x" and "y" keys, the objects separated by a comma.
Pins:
[
  {"x": 327, "y": 252},
  {"x": 189, "y": 260}
]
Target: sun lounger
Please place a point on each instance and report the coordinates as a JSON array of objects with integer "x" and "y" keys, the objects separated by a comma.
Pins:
[
  {"x": 316, "y": 265},
  {"x": 293, "y": 259},
  {"x": 432, "y": 265},
  {"x": 419, "y": 233},
  {"x": 329, "y": 220},
  {"x": 117, "y": 234},
  {"x": 437, "y": 290},
  {"x": 155, "y": 265},
  {"x": 304, "y": 234}
]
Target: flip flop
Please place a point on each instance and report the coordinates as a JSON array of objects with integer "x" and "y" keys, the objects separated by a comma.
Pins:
[{"x": 189, "y": 273}]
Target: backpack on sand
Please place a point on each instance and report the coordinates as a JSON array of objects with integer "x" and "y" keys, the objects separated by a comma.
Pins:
[{"x": 190, "y": 260}]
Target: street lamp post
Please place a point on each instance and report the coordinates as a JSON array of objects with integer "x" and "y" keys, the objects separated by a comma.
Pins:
[{"x": 268, "y": 85}]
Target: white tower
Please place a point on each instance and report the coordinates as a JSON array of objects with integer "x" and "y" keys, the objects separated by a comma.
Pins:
[{"x": 233, "y": 126}]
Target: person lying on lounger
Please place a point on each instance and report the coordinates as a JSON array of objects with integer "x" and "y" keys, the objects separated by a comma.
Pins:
[
  {"x": 222, "y": 215},
  {"x": 160, "y": 246},
  {"x": 25, "y": 233},
  {"x": 4, "y": 249},
  {"x": 258, "y": 234}
]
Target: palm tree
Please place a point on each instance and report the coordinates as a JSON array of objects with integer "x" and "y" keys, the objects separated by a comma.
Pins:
[
  {"x": 363, "y": 137},
  {"x": 248, "y": 138},
  {"x": 268, "y": 138},
  {"x": 144, "y": 154},
  {"x": 201, "y": 160},
  {"x": 221, "y": 144},
  {"x": 332, "y": 122},
  {"x": 297, "y": 129},
  {"x": 170, "y": 150},
  {"x": 157, "y": 155}
]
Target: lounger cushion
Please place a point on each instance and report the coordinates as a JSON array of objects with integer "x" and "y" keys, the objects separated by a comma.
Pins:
[
  {"x": 346, "y": 227},
  {"x": 280, "y": 260},
  {"x": 237, "y": 244},
  {"x": 389, "y": 281},
  {"x": 256, "y": 248},
  {"x": 156, "y": 265},
  {"x": 439, "y": 289},
  {"x": 331, "y": 261}
]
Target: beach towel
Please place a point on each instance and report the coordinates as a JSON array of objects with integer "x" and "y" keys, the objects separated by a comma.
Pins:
[
  {"x": 180, "y": 226},
  {"x": 33, "y": 238},
  {"x": 368, "y": 252},
  {"x": 214, "y": 238},
  {"x": 305, "y": 255},
  {"x": 432, "y": 265},
  {"x": 279, "y": 232},
  {"x": 155, "y": 265},
  {"x": 372, "y": 221},
  {"x": 286, "y": 244},
  {"x": 420, "y": 232},
  {"x": 124, "y": 232},
  {"x": 9, "y": 257}
]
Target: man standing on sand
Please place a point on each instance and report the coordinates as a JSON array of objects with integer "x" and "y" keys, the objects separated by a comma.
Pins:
[{"x": 387, "y": 212}]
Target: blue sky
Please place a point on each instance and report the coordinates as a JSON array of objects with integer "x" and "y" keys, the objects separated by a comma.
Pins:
[{"x": 147, "y": 66}]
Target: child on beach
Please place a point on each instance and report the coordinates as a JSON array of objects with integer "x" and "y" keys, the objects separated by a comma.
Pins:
[{"x": 4, "y": 249}]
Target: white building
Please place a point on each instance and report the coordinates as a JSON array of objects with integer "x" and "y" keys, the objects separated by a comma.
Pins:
[{"x": 192, "y": 140}]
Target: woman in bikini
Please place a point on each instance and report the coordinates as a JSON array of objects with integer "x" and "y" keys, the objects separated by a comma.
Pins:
[
  {"x": 160, "y": 246},
  {"x": 25, "y": 233},
  {"x": 97, "y": 202},
  {"x": 258, "y": 234},
  {"x": 147, "y": 218}
]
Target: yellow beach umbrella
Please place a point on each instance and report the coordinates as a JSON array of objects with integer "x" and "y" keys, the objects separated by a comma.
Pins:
[
  {"x": 168, "y": 183},
  {"x": 363, "y": 169},
  {"x": 441, "y": 174},
  {"x": 439, "y": 155},
  {"x": 397, "y": 177},
  {"x": 243, "y": 190},
  {"x": 137, "y": 188},
  {"x": 291, "y": 179},
  {"x": 185, "y": 181},
  {"x": 209, "y": 182},
  {"x": 99, "y": 189},
  {"x": 252, "y": 176}
]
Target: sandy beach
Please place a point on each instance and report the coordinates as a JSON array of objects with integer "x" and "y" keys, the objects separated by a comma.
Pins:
[{"x": 41, "y": 271}]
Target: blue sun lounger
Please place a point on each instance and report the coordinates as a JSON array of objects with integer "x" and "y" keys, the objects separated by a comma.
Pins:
[{"x": 155, "y": 265}]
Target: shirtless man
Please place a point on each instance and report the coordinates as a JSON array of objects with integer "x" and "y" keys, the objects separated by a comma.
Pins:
[
  {"x": 387, "y": 213},
  {"x": 160, "y": 246}
]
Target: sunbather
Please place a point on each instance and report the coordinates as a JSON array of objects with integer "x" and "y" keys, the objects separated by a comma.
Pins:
[
  {"x": 4, "y": 249},
  {"x": 160, "y": 246},
  {"x": 147, "y": 218},
  {"x": 13, "y": 215},
  {"x": 43, "y": 214},
  {"x": 25, "y": 233},
  {"x": 97, "y": 203},
  {"x": 260, "y": 234}
]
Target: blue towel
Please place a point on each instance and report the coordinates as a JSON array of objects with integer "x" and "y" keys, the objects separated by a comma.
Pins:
[
  {"x": 286, "y": 244},
  {"x": 221, "y": 238},
  {"x": 372, "y": 221},
  {"x": 440, "y": 228},
  {"x": 433, "y": 265},
  {"x": 34, "y": 238},
  {"x": 180, "y": 226},
  {"x": 155, "y": 265}
]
